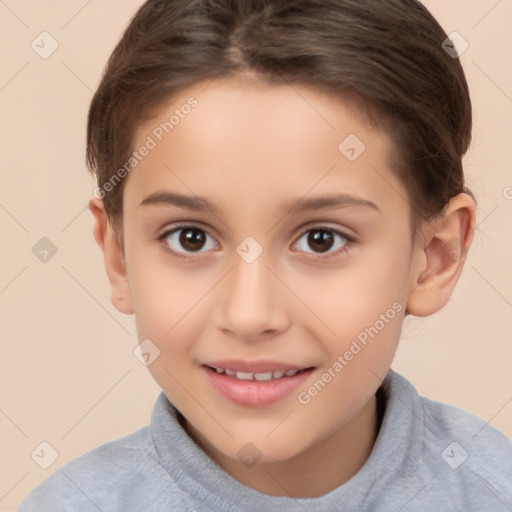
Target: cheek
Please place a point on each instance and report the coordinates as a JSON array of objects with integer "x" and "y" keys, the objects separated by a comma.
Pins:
[
  {"x": 362, "y": 307},
  {"x": 358, "y": 357},
  {"x": 159, "y": 290},
  {"x": 166, "y": 303},
  {"x": 171, "y": 308},
  {"x": 354, "y": 297}
]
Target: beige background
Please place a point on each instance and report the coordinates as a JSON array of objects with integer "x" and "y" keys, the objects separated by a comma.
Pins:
[{"x": 69, "y": 376}]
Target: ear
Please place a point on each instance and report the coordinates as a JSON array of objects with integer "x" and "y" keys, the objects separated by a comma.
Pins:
[
  {"x": 441, "y": 256},
  {"x": 114, "y": 257}
]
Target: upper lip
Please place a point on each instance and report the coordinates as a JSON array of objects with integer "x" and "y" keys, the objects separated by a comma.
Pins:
[{"x": 238, "y": 365}]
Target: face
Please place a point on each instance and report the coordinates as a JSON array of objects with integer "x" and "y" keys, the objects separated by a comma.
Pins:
[{"x": 269, "y": 277}]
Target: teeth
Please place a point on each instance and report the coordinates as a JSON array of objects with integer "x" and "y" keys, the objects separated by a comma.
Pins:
[
  {"x": 245, "y": 376},
  {"x": 263, "y": 376},
  {"x": 257, "y": 376}
]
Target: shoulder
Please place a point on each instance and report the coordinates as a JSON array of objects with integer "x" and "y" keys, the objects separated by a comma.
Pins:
[
  {"x": 459, "y": 456},
  {"x": 451, "y": 456},
  {"x": 457, "y": 422},
  {"x": 470, "y": 443},
  {"x": 96, "y": 478}
]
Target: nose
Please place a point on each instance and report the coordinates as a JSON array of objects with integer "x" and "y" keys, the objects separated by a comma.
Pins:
[{"x": 252, "y": 304}]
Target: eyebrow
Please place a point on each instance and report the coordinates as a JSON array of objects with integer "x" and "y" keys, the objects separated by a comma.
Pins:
[{"x": 201, "y": 204}]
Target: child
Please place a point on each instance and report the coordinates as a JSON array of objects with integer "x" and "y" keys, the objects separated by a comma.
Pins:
[{"x": 312, "y": 151}]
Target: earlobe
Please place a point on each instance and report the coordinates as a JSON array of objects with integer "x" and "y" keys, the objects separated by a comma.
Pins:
[
  {"x": 113, "y": 256},
  {"x": 441, "y": 259}
]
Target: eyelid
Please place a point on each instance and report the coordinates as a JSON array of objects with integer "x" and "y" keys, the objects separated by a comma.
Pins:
[
  {"x": 346, "y": 232},
  {"x": 169, "y": 229}
]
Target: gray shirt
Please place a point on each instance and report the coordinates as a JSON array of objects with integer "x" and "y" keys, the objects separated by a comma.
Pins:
[{"x": 428, "y": 456}]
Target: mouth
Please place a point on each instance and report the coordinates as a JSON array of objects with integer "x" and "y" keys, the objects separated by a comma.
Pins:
[{"x": 255, "y": 388}]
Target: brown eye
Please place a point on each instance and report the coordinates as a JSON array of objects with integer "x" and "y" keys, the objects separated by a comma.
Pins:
[
  {"x": 192, "y": 239},
  {"x": 322, "y": 240},
  {"x": 186, "y": 239}
]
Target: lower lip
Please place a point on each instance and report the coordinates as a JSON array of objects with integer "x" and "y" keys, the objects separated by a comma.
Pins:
[{"x": 255, "y": 393}]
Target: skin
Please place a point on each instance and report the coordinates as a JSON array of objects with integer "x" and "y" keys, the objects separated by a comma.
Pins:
[{"x": 249, "y": 148}]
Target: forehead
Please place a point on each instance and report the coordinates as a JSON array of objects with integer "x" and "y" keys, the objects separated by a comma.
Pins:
[
  {"x": 248, "y": 138},
  {"x": 243, "y": 108}
]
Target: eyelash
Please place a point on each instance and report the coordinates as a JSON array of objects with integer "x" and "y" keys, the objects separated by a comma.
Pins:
[{"x": 349, "y": 241}]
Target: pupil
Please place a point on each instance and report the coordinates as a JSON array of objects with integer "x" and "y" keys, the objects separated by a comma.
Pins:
[
  {"x": 322, "y": 238},
  {"x": 189, "y": 237}
]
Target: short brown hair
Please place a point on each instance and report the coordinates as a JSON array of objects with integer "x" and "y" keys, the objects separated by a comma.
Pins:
[{"x": 386, "y": 52}]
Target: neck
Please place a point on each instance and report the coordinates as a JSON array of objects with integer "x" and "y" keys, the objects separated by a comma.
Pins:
[{"x": 332, "y": 461}]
